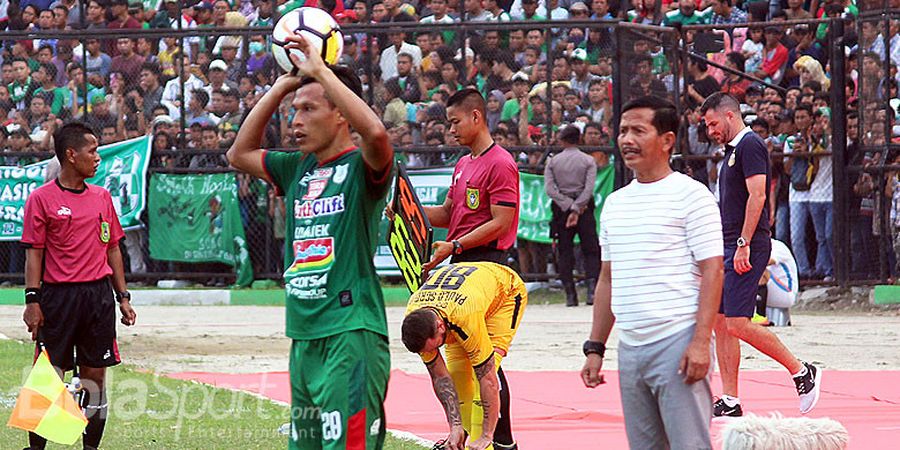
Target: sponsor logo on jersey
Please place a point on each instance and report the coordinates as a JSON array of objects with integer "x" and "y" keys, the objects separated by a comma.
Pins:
[
  {"x": 312, "y": 255},
  {"x": 318, "y": 174},
  {"x": 473, "y": 199},
  {"x": 64, "y": 211},
  {"x": 308, "y": 286},
  {"x": 325, "y": 206},
  {"x": 316, "y": 187},
  {"x": 312, "y": 231},
  {"x": 340, "y": 173}
]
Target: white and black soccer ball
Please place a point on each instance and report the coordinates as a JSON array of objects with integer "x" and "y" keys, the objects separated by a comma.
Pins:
[{"x": 317, "y": 27}]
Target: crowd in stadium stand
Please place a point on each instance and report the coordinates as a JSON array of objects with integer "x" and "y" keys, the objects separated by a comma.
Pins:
[{"x": 131, "y": 87}]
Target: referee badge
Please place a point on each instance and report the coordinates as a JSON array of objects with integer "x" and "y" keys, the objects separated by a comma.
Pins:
[
  {"x": 731, "y": 159},
  {"x": 472, "y": 198},
  {"x": 104, "y": 232}
]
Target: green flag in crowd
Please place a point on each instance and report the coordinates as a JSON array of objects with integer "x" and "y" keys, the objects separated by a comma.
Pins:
[
  {"x": 197, "y": 218},
  {"x": 122, "y": 171},
  {"x": 534, "y": 204}
]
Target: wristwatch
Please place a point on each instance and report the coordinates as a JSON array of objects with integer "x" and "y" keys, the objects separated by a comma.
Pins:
[
  {"x": 457, "y": 247},
  {"x": 741, "y": 242},
  {"x": 595, "y": 347},
  {"x": 122, "y": 296}
]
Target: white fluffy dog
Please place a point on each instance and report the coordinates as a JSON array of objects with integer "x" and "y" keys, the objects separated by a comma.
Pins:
[{"x": 784, "y": 433}]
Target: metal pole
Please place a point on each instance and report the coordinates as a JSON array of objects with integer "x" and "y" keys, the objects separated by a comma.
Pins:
[
  {"x": 622, "y": 176},
  {"x": 840, "y": 210},
  {"x": 181, "y": 120}
]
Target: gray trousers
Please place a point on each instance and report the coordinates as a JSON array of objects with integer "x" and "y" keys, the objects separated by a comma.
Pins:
[{"x": 661, "y": 411}]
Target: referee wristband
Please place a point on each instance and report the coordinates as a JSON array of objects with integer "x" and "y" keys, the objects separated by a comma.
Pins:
[{"x": 32, "y": 295}]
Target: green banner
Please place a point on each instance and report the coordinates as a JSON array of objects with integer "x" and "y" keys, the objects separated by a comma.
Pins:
[
  {"x": 534, "y": 205},
  {"x": 197, "y": 218},
  {"x": 122, "y": 171}
]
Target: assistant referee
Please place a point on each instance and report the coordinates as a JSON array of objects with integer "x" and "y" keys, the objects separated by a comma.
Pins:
[{"x": 72, "y": 264}]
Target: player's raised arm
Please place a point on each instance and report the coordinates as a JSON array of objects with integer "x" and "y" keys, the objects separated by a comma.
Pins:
[
  {"x": 245, "y": 154},
  {"x": 376, "y": 148}
]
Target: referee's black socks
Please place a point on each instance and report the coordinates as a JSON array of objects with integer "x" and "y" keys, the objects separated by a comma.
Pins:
[{"x": 95, "y": 409}]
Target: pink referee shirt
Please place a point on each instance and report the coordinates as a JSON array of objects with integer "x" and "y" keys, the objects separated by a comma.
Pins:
[
  {"x": 478, "y": 183},
  {"x": 75, "y": 229}
]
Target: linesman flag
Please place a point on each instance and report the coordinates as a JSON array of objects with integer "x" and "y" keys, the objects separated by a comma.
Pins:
[{"x": 46, "y": 408}]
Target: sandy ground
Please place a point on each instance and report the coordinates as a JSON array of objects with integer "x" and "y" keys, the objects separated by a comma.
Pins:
[{"x": 232, "y": 339}]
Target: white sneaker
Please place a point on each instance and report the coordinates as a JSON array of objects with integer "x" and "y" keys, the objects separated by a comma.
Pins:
[{"x": 808, "y": 387}]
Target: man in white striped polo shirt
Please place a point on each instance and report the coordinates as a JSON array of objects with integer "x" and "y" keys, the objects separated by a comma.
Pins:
[{"x": 661, "y": 280}]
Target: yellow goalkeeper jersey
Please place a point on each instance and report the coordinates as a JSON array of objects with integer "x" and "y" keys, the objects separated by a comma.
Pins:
[{"x": 481, "y": 304}]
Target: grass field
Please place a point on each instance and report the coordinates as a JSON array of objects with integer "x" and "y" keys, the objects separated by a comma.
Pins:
[{"x": 152, "y": 412}]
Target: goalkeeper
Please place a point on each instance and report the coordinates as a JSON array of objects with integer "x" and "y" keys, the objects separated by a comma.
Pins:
[{"x": 475, "y": 308}]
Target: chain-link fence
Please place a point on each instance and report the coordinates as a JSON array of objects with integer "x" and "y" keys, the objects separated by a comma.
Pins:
[{"x": 190, "y": 88}]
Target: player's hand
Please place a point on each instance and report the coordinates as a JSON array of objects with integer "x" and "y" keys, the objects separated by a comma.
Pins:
[
  {"x": 481, "y": 443},
  {"x": 34, "y": 319},
  {"x": 286, "y": 83},
  {"x": 313, "y": 65},
  {"x": 457, "y": 438},
  {"x": 572, "y": 220},
  {"x": 742, "y": 260},
  {"x": 128, "y": 314},
  {"x": 389, "y": 211},
  {"x": 442, "y": 250},
  {"x": 590, "y": 374},
  {"x": 695, "y": 363}
]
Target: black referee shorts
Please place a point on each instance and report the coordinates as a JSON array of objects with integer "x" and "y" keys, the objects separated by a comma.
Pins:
[{"x": 82, "y": 317}]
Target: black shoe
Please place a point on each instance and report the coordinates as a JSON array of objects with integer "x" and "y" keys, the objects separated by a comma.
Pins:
[
  {"x": 591, "y": 287},
  {"x": 571, "y": 294},
  {"x": 720, "y": 409},
  {"x": 498, "y": 446},
  {"x": 808, "y": 387}
]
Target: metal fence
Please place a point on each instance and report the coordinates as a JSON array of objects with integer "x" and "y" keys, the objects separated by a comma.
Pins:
[{"x": 172, "y": 98}]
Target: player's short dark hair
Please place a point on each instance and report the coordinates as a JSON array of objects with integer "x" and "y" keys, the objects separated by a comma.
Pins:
[
  {"x": 665, "y": 117},
  {"x": 345, "y": 74},
  {"x": 468, "y": 98},
  {"x": 570, "y": 135},
  {"x": 418, "y": 327},
  {"x": 71, "y": 135},
  {"x": 720, "y": 101}
]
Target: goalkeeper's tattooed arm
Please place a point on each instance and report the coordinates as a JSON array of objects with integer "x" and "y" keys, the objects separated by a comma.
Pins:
[
  {"x": 490, "y": 401},
  {"x": 446, "y": 393}
]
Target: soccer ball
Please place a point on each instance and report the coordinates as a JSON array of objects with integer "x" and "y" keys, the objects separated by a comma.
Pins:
[{"x": 316, "y": 26}]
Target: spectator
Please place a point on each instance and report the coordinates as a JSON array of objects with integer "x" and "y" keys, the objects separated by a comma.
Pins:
[
  {"x": 569, "y": 181},
  {"x": 528, "y": 11},
  {"x": 218, "y": 78},
  {"x": 406, "y": 78},
  {"x": 493, "y": 108},
  {"x": 44, "y": 78},
  {"x": 571, "y": 106},
  {"x": 734, "y": 84},
  {"x": 795, "y": 11},
  {"x": 96, "y": 16},
  {"x": 100, "y": 115},
  {"x": 809, "y": 69},
  {"x": 581, "y": 77},
  {"x": 644, "y": 83},
  {"x": 388, "y": 62},
  {"x": 197, "y": 107},
  {"x": 63, "y": 57},
  {"x": 22, "y": 86},
  {"x": 775, "y": 57},
  {"x": 752, "y": 49},
  {"x": 686, "y": 14},
  {"x": 210, "y": 142},
  {"x": 121, "y": 18},
  {"x": 699, "y": 84},
  {"x": 474, "y": 12},
  {"x": 801, "y": 195},
  {"x": 500, "y": 15},
  {"x": 171, "y": 97},
  {"x": 395, "y": 110},
  {"x": 96, "y": 61},
  {"x": 260, "y": 59},
  {"x": 520, "y": 87},
  {"x": 151, "y": 89},
  {"x": 724, "y": 13},
  {"x": 127, "y": 61},
  {"x": 231, "y": 106},
  {"x": 73, "y": 13}
]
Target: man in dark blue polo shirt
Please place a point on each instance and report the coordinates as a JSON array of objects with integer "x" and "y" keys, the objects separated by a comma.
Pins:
[{"x": 743, "y": 201}]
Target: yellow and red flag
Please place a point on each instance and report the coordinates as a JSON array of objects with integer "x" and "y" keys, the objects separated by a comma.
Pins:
[{"x": 46, "y": 408}]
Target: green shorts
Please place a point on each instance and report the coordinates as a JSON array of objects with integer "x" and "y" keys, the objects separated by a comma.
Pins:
[{"x": 338, "y": 384}]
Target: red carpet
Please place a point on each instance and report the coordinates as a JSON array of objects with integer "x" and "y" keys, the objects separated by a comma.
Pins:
[{"x": 553, "y": 410}]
